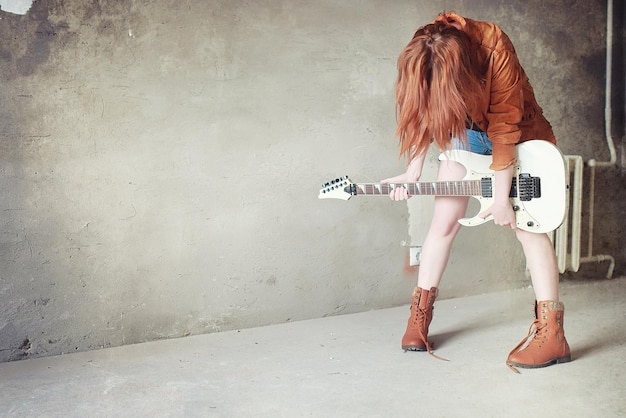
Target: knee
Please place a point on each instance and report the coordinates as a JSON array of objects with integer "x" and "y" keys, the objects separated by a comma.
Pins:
[
  {"x": 531, "y": 238},
  {"x": 445, "y": 228}
]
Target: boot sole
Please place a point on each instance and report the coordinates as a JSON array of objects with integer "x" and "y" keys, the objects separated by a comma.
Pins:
[
  {"x": 564, "y": 359},
  {"x": 412, "y": 348}
]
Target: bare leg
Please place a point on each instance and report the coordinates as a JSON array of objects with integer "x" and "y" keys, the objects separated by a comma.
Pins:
[
  {"x": 541, "y": 260},
  {"x": 443, "y": 229}
]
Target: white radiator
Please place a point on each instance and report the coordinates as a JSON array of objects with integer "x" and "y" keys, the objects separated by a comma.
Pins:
[{"x": 567, "y": 238}]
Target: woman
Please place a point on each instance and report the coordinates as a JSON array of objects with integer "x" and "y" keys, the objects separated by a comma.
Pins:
[{"x": 460, "y": 85}]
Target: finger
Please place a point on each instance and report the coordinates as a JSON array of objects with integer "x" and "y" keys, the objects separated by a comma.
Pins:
[
  {"x": 393, "y": 194},
  {"x": 398, "y": 193}
]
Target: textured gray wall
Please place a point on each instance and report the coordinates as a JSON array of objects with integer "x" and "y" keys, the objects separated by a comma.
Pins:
[{"x": 161, "y": 161}]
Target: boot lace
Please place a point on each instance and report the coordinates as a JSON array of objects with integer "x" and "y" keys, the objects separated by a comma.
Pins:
[
  {"x": 536, "y": 335},
  {"x": 419, "y": 324}
]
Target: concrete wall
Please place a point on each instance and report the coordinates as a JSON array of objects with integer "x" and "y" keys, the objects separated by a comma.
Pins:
[{"x": 161, "y": 161}]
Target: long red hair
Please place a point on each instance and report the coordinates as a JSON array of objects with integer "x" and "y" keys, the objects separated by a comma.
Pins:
[{"x": 439, "y": 83}]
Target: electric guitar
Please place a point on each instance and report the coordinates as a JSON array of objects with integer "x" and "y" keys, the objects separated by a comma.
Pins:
[{"x": 539, "y": 189}]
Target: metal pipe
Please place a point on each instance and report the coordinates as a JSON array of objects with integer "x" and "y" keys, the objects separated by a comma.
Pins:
[
  {"x": 577, "y": 199},
  {"x": 574, "y": 260},
  {"x": 608, "y": 110},
  {"x": 608, "y": 117}
]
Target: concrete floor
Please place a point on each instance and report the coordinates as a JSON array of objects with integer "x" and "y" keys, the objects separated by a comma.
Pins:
[{"x": 346, "y": 366}]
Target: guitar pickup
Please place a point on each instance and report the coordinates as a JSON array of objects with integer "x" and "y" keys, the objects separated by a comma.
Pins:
[{"x": 486, "y": 188}]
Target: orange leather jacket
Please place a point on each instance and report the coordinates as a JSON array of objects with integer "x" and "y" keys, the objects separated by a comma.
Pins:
[{"x": 509, "y": 113}]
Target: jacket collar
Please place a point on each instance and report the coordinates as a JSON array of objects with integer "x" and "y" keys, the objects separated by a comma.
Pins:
[{"x": 453, "y": 19}]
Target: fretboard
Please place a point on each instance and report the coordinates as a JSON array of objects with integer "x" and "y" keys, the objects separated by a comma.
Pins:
[{"x": 435, "y": 188}]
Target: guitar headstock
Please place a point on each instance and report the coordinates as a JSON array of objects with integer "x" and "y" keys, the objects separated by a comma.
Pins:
[{"x": 339, "y": 188}]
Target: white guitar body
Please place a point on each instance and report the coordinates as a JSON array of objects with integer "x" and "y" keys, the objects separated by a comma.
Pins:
[
  {"x": 538, "y": 158},
  {"x": 539, "y": 189}
]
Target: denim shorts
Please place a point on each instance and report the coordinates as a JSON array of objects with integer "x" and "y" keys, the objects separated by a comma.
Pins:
[{"x": 478, "y": 143}]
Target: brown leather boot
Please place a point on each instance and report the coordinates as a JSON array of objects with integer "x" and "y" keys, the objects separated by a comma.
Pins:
[
  {"x": 546, "y": 344},
  {"x": 416, "y": 336}
]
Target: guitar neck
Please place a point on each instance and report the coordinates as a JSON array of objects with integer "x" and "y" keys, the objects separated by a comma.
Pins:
[{"x": 433, "y": 188}]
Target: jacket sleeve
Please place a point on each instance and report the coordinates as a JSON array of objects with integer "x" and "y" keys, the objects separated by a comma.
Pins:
[{"x": 506, "y": 106}]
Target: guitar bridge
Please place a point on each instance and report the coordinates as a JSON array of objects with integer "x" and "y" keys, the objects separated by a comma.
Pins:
[{"x": 529, "y": 187}]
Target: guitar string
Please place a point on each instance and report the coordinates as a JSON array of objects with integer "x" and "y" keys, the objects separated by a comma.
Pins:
[{"x": 441, "y": 188}]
